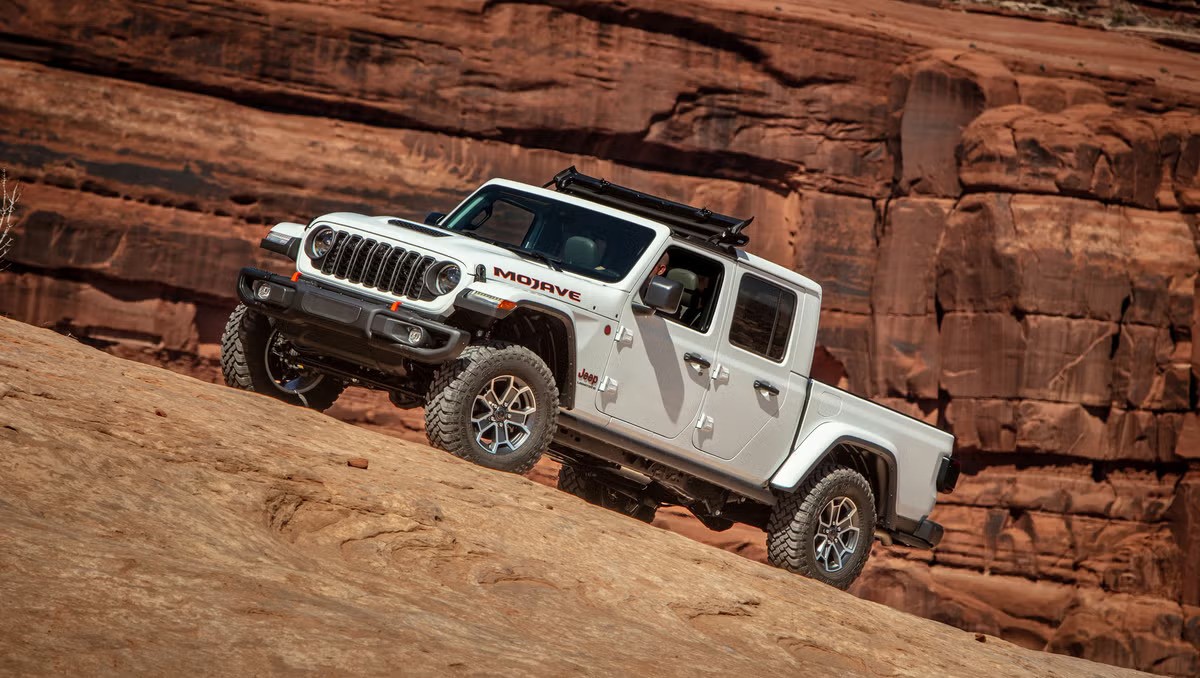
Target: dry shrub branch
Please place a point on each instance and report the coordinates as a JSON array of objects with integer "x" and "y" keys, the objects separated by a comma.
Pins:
[{"x": 8, "y": 206}]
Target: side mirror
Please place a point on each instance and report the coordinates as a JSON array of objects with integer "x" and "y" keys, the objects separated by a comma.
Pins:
[
  {"x": 663, "y": 294},
  {"x": 433, "y": 218}
]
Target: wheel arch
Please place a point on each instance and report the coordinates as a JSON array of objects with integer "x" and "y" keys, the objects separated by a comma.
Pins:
[
  {"x": 873, "y": 457},
  {"x": 550, "y": 334}
]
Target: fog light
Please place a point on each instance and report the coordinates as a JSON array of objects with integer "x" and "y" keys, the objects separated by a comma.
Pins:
[
  {"x": 416, "y": 335},
  {"x": 264, "y": 291}
]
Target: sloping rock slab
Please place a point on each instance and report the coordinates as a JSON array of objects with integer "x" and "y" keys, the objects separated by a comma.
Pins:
[{"x": 155, "y": 524}]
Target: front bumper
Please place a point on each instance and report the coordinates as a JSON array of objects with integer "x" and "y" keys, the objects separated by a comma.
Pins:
[{"x": 347, "y": 326}]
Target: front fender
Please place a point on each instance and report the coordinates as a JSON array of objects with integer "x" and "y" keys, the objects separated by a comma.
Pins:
[{"x": 284, "y": 238}]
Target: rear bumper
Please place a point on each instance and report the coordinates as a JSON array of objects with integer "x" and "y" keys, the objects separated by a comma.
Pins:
[
  {"x": 349, "y": 327},
  {"x": 947, "y": 477}
]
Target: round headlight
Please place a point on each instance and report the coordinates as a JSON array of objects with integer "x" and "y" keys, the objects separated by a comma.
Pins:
[
  {"x": 445, "y": 278},
  {"x": 320, "y": 242}
]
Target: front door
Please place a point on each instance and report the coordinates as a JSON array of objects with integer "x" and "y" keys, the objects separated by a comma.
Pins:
[
  {"x": 752, "y": 389},
  {"x": 659, "y": 368}
]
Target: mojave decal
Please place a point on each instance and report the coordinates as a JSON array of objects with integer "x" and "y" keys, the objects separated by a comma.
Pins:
[{"x": 539, "y": 285}]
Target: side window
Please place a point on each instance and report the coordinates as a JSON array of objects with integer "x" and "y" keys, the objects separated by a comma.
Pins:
[
  {"x": 701, "y": 278},
  {"x": 762, "y": 318}
]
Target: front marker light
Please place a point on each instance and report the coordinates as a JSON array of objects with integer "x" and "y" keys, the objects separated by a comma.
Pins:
[{"x": 502, "y": 304}]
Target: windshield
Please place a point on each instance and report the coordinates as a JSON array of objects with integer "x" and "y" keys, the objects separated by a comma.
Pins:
[{"x": 572, "y": 238}]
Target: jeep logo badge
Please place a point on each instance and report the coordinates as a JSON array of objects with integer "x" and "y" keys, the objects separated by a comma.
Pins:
[{"x": 588, "y": 379}]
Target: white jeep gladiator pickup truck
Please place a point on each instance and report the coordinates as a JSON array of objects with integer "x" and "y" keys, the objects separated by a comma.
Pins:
[{"x": 627, "y": 336}]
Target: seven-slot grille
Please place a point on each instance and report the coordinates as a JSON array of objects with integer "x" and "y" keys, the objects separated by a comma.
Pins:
[{"x": 379, "y": 265}]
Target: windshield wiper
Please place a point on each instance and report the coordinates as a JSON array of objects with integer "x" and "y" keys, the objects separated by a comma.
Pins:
[
  {"x": 515, "y": 249},
  {"x": 533, "y": 254}
]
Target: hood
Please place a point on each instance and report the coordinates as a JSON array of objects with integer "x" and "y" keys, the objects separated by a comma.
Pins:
[{"x": 501, "y": 266}]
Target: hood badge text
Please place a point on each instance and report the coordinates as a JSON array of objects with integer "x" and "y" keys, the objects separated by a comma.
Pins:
[{"x": 534, "y": 283}]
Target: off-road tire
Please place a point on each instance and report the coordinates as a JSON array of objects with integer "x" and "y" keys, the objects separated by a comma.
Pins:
[
  {"x": 795, "y": 519},
  {"x": 243, "y": 349},
  {"x": 452, "y": 393},
  {"x": 572, "y": 481}
]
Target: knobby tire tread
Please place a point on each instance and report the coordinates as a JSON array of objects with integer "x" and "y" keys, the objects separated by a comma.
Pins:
[
  {"x": 450, "y": 392},
  {"x": 787, "y": 541}
]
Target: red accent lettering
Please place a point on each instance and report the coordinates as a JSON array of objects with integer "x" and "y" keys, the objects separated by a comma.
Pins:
[{"x": 539, "y": 285}]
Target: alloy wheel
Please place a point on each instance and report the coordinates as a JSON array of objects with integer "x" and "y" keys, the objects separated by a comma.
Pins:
[
  {"x": 837, "y": 535},
  {"x": 501, "y": 414}
]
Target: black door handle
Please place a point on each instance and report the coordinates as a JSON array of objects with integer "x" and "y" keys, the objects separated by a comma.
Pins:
[
  {"x": 696, "y": 360},
  {"x": 761, "y": 385}
]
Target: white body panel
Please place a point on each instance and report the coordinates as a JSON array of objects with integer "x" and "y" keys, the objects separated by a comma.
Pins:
[
  {"x": 834, "y": 415},
  {"x": 736, "y": 411},
  {"x": 646, "y": 382}
]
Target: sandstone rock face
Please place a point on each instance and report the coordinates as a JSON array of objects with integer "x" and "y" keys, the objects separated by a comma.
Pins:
[
  {"x": 1003, "y": 214},
  {"x": 155, "y": 524}
]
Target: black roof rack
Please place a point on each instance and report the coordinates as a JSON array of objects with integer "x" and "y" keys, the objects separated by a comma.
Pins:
[{"x": 683, "y": 220}]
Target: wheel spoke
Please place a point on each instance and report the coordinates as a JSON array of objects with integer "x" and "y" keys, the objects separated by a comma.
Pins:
[
  {"x": 849, "y": 538},
  {"x": 490, "y": 399},
  {"x": 481, "y": 409},
  {"x": 522, "y": 429},
  {"x": 523, "y": 393},
  {"x": 826, "y": 515},
  {"x": 831, "y": 558},
  {"x": 491, "y": 425},
  {"x": 849, "y": 517},
  {"x": 501, "y": 438},
  {"x": 511, "y": 392},
  {"x": 841, "y": 553}
]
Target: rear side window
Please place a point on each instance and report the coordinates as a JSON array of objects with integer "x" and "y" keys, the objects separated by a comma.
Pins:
[{"x": 762, "y": 318}]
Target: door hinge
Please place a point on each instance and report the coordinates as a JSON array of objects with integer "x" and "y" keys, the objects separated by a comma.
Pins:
[
  {"x": 624, "y": 335},
  {"x": 704, "y": 423},
  {"x": 719, "y": 373},
  {"x": 607, "y": 385}
]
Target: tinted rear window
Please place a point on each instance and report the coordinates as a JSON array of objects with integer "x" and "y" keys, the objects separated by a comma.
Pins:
[{"x": 762, "y": 319}]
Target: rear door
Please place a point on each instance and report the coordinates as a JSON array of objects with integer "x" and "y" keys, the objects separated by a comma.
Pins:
[{"x": 753, "y": 395}]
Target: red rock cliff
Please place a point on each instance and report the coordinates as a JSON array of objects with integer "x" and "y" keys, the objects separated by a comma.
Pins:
[{"x": 1002, "y": 213}]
